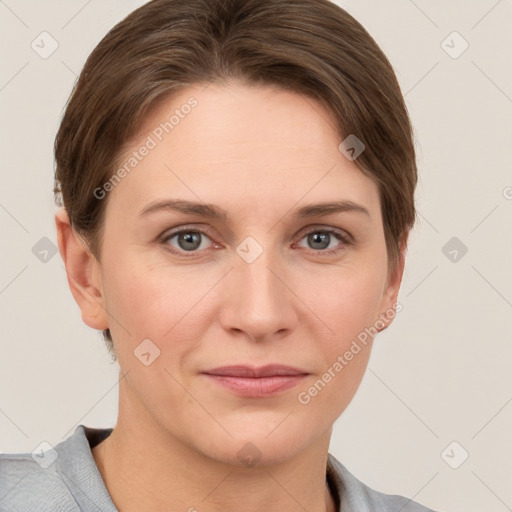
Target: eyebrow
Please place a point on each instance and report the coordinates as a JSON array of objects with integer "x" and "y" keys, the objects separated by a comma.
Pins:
[{"x": 214, "y": 212}]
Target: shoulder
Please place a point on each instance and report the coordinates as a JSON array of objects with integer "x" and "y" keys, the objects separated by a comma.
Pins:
[
  {"x": 25, "y": 485},
  {"x": 63, "y": 478},
  {"x": 354, "y": 495}
]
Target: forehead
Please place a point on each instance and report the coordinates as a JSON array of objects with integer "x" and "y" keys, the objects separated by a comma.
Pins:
[{"x": 232, "y": 143}]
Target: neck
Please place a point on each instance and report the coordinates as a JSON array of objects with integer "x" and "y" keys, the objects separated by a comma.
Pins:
[{"x": 145, "y": 467}]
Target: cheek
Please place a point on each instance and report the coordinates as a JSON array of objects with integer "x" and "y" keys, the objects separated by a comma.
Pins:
[
  {"x": 346, "y": 302},
  {"x": 155, "y": 302},
  {"x": 347, "y": 306},
  {"x": 163, "y": 302}
]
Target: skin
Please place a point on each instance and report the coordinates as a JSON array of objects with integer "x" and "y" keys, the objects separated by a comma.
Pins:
[{"x": 259, "y": 153}]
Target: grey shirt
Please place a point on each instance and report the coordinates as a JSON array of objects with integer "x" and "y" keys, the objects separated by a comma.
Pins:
[{"x": 68, "y": 480}]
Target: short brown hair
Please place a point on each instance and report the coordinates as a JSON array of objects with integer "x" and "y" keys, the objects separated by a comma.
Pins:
[{"x": 312, "y": 47}]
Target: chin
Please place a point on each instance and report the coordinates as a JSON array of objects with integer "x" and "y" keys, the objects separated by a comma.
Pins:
[
  {"x": 259, "y": 444},
  {"x": 249, "y": 454}
]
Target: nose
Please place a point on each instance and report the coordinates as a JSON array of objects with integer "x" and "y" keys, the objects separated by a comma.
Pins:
[{"x": 258, "y": 299}]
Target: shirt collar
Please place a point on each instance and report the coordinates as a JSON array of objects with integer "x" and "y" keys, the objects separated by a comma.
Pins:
[{"x": 77, "y": 468}]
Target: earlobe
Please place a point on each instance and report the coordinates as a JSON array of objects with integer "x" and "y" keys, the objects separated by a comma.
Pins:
[{"x": 82, "y": 270}]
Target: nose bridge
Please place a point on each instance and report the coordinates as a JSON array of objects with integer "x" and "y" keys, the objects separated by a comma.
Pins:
[
  {"x": 260, "y": 283},
  {"x": 259, "y": 298},
  {"x": 258, "y": 278}
]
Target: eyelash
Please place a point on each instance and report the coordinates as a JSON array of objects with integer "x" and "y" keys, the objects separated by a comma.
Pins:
[{"x": 346, "y": 241}]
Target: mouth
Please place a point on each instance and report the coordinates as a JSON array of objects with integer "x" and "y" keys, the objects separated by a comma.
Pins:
[{"x": 256, "y": 382}]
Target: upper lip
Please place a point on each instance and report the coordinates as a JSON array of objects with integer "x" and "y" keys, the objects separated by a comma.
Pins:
[{"x": 269, "y": 370}]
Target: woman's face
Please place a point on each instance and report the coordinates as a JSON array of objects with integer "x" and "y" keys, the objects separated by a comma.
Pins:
[{"x": 258, "y": 284}]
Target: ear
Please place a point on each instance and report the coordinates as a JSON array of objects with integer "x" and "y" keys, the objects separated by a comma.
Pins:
[
  {"x": 388, "y": 307},
  {"x": 83, "y": 273}
]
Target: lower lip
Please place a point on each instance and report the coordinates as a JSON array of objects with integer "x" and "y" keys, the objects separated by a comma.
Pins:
[{"x": 258, "y": 387}]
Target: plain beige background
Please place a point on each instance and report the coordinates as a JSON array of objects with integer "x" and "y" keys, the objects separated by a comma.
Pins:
[{"x": 439, "y": 383}]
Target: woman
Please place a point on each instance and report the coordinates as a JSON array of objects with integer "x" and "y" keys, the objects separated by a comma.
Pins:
[{"x": 237, "y": 180}]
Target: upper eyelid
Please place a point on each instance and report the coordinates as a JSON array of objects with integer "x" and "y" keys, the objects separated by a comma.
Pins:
[{"x": 205, "y": 230}]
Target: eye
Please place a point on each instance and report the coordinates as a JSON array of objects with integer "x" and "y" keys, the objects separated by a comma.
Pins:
[
  {"x": 187, "y": 239},
  {"x": 190, "y": 241},
  {"x": 320, "y": 240}
]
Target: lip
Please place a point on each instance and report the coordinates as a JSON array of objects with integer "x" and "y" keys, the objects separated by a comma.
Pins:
[
  {"x": 256, "y": 382},
  {"x": 269, "y": 370}
]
